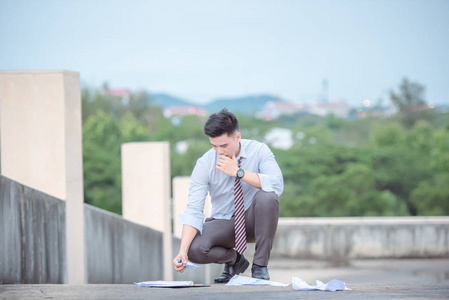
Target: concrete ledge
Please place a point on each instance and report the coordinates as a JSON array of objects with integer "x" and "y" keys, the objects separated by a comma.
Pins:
[
  {"x": 341, "y": 239},
  {"x": 120, "y": 251},
  {"x": 364, "y": 220},
  {"x": 32, "y": 235}
]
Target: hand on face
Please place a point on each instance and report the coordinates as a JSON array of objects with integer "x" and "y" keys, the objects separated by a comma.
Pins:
[{"x": 227, "y": 165}]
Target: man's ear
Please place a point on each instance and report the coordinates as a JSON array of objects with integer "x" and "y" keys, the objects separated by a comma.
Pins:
[{"x": 238, "y": 136}]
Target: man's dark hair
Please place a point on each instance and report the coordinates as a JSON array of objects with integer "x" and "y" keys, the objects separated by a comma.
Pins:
[{"x": 221, "y": 122}]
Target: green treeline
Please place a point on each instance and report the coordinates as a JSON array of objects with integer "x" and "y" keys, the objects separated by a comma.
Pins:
[{"x": 376, "y": 166}]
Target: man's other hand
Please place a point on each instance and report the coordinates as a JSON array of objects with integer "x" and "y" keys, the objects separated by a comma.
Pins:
[{"x": 180, "y": 261}]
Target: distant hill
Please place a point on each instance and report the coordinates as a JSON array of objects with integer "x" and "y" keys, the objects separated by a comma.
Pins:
[
  {"x": 245, "y": 105},
  {"x": 165, "y": 100}
]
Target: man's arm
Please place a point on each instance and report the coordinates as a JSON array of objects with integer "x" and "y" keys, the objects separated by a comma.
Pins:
[
  {"x": 187, "y": 236},
  {"x": 252, "y": 179},
  {"x": 270, "y": 174}
]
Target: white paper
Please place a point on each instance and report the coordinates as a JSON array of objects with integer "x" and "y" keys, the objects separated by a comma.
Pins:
[
  {"x": 160, "y": 283},
  {"x": 190, "y": 265},
  {"x": 243, "y": 280},
  {"x": 332, "y": 286}
]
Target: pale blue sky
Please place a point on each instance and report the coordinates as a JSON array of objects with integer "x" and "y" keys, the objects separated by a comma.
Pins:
[{"x": 202, "y": 50}]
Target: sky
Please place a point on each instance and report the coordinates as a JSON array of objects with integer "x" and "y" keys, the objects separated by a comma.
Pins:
[{"x": 204, "y": 50}]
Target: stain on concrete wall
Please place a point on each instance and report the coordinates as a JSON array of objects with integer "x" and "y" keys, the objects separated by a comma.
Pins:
[
  {"x": 120, "y": 251},
  {"x": 32, "y": 235}
]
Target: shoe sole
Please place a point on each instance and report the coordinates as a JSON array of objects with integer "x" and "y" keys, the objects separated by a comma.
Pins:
[
  {"x": 240, "y": 270},
  {"x": 243, "y": 267}
]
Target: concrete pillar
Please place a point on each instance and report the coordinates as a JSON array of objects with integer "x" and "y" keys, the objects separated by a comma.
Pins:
[
  {"x": 41, "y": 146},
  {"x": 146, "y": 191},
  {"x": 181, "y": 186}
]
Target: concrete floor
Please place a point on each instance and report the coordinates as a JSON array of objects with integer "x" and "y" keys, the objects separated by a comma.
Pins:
[{"x": 368, "y": 279}]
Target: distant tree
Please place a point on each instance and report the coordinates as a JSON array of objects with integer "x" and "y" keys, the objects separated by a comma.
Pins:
[
  {"x": 401, "y": 160},
  {"x": 101, "y": 162},
  {"x": 431, "y": 197},
  {"x": 410, "y": 102},
  {"x": 131, "y": 129}
]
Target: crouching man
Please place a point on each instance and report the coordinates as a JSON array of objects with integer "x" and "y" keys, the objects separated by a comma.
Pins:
[{"x": 244, "y": 182}]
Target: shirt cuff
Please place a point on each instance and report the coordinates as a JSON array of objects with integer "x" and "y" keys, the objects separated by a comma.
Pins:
[
  {"x": 270, "y": 183},
  {"x": 194, "y": 221}
]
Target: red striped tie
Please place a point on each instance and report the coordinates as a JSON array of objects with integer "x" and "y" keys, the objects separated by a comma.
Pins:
[{"x": 240, "y": 228}]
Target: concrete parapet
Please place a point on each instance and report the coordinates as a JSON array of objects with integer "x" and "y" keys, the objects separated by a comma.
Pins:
[
  {"x": 341, "y": 239},
  {"x": 120, "y": 251},
  {"x": 32, "y": 235}
]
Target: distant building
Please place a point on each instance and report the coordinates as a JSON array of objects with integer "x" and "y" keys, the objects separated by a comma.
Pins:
[
  {"x": 123, "y": 94},
  {"x": 340, "y": 109},
  {"x": 279, "y": 138},
  {"x": 274, "y": 109},
  {"x": 378, "y": 111},
  {"x": 184, "y": 111}
]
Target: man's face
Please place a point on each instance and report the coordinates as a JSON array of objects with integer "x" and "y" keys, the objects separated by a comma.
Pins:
[{"x": 226, "y": 145}]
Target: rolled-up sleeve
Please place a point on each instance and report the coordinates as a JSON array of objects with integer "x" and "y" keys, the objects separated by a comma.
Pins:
[
  {"x": 194, "y": 214},
  {"x": 271, "y": 179}
]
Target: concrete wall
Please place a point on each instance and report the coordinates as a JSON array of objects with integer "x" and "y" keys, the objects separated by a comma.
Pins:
[
  {"x": 33, "y": 247},
  {"x": 32, "y": 235},
  {"x": 120, "y": 251},
  {"x": 340, "y": 239}
]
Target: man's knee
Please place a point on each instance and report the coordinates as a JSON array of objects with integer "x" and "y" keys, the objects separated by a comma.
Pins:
[
  {"x": 197, "y": 252},
  {"x": 267, "y": 199}
]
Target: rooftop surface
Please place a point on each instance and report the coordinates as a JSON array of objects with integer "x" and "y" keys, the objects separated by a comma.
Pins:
[{"x": 367, "y": 279}]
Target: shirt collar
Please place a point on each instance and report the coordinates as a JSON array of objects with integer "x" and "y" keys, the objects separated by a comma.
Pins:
[{"x": 242, "y": 152}]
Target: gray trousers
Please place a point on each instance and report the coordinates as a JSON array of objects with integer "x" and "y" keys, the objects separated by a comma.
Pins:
[{"x": 216, "y": 243}]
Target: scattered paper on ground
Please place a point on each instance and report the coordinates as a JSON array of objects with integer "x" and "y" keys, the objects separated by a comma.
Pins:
[
  {"x": 331, "y": 286},
  {"x": 243, "y": 280},
  {"x": 160, "y": 283},
  {"x": 170, "y": 284}
]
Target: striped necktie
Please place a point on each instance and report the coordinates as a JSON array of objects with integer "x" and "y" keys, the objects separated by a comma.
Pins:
[{"x": 240, "y": 228}]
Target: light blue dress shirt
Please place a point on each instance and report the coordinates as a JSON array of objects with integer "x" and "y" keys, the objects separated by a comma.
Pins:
[{"x": 256, "y": 158}]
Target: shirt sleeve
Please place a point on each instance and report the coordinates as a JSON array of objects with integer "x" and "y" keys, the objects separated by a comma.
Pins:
[
  {"x": 199, "y": 186},
  {"x": 270, "y": 174}
]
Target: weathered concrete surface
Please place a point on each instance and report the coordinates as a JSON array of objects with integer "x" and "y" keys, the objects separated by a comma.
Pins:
[
  {"x": 33, "y": 247},
  {"x": 146, "y": 190},
  {"x": 32, "y": 235},
  {"x": 342, "y": 239},
  {"x": 368, "y": 279},
  {"x": 119, "y": 251},
  {"x": 41, "y": 146}
]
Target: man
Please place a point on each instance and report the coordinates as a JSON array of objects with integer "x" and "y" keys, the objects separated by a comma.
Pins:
[{"x": 235, "y": 167}]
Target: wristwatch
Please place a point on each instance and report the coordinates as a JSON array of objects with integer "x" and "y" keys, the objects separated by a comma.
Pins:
[{"x": 240, "y": 173}]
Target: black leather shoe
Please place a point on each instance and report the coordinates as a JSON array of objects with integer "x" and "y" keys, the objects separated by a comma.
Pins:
[
  {"x": 229, "y": 271},
  {"x": 260, "y": 272}
]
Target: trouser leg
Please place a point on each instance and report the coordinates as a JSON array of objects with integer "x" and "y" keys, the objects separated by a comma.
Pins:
[
  {"x": 216, "y": 243},
  {"x": 262, "y": 220}
]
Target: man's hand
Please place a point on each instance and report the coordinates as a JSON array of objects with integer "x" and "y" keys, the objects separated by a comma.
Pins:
[
  {"x": 227, "y": 165},
  {"x": 179, "y": 262}
]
